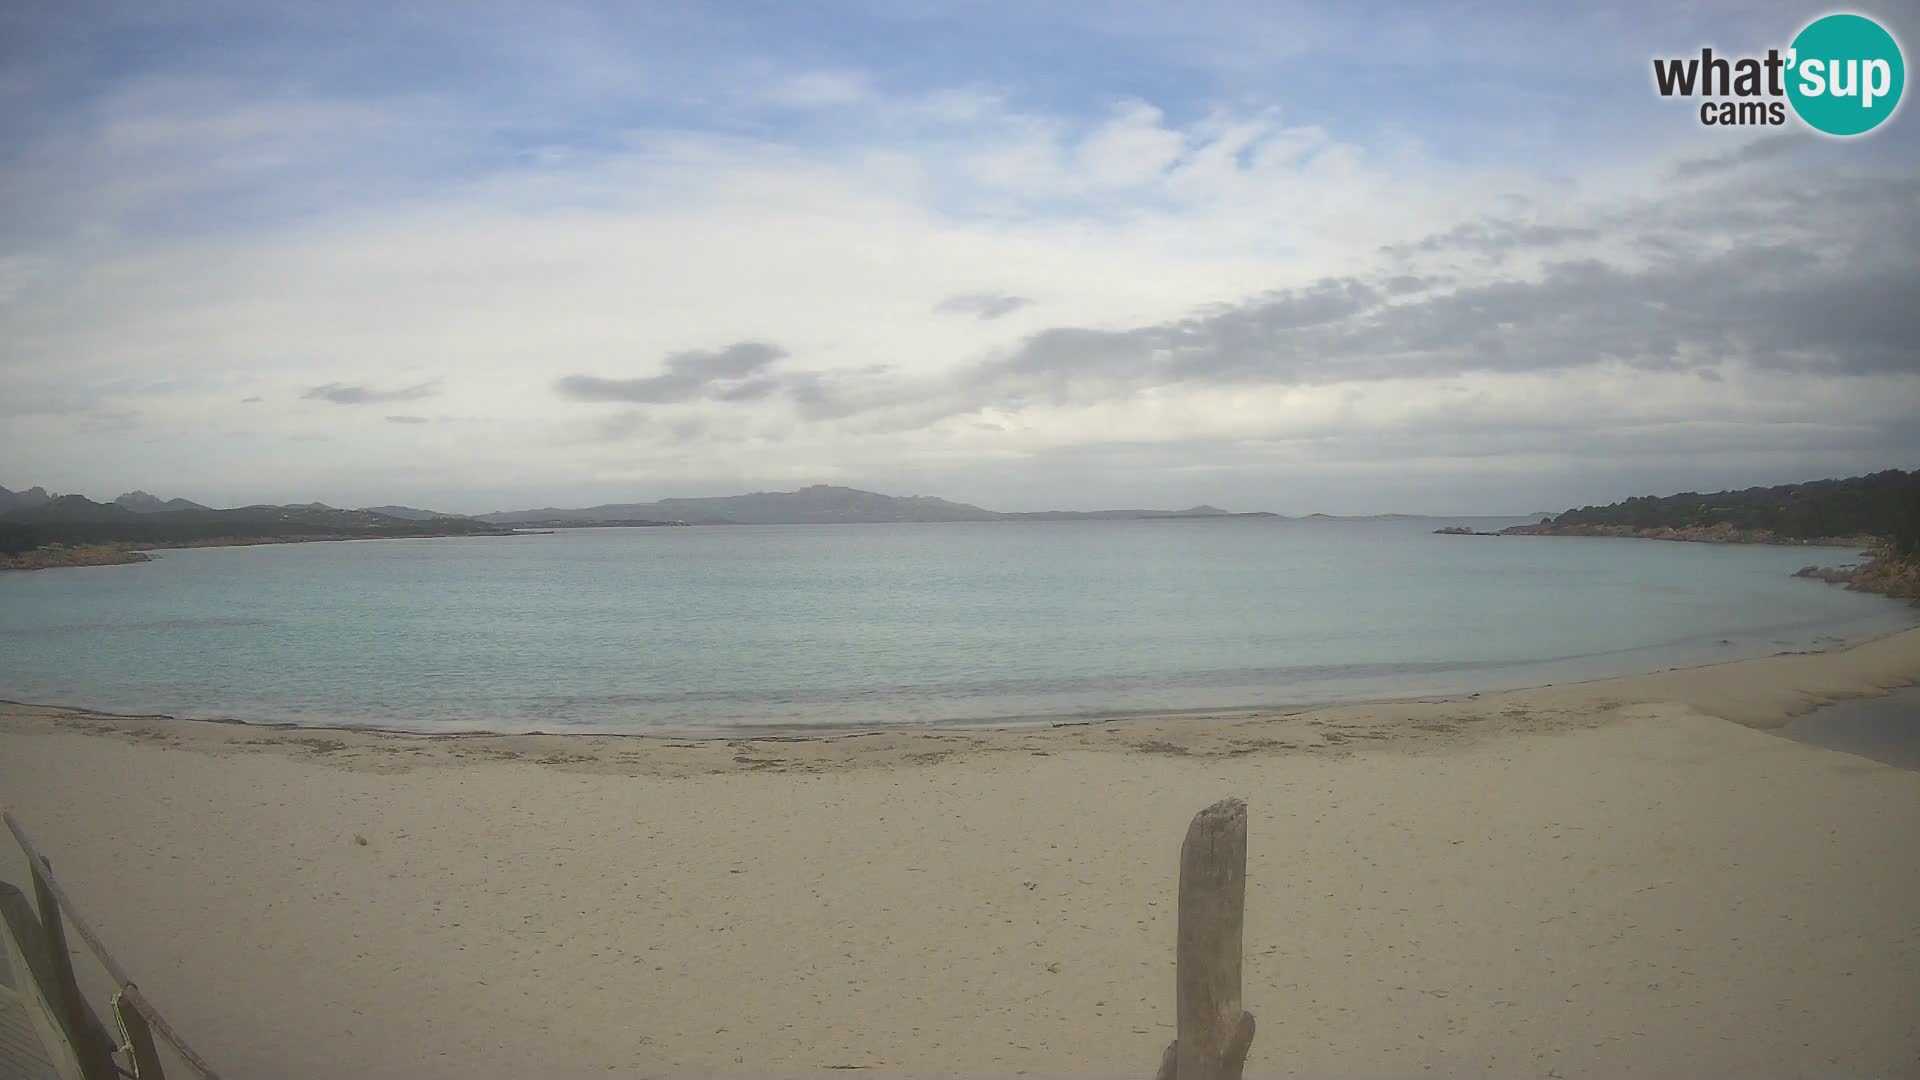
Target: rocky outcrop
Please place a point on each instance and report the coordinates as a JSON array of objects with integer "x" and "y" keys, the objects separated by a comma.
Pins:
[
  {"x": 1883, "y": 573},
  {"x": 1832, "y": 575},
  {"x": 1889, "y": 575},
  {"x": 53, "y": 556}
]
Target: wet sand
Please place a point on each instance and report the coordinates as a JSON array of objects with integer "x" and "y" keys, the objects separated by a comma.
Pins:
[
  {"x": 1886, "y": 729},
  {"x": 1620, "y": 878}
]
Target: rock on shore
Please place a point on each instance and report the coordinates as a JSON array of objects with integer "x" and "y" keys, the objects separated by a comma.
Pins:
[{"x": 53, "y": 556}]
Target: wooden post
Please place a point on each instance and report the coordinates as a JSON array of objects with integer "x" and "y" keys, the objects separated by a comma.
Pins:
[
  {"x": 146, "y": 1057},
  {"x": 1213, "y": 1033},
  {"x": 95, "y": 1061},
  {"x": 91, "y": 1039}
]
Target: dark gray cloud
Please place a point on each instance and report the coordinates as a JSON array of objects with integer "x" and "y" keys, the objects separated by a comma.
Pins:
[
  {"x": 749, "y": 390},
  {"x": 1765, "y": 148},
  {"x": 982, "y": 305},
  {"x": 255, "y": 400},
  {"x": 1769, "y": 274},
  {"x": 1770, "y": 271},
  {"x": 351, "y": 394},
  {"x": 1403, "y": 284},
  {"x": 689, "y": 376},
  {"x": 1491, "y": 238},
  {"x": 406, "y": 419}
]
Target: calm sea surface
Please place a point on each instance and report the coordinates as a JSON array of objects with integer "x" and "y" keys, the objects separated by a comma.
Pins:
[{"x": 724, "y": 627}]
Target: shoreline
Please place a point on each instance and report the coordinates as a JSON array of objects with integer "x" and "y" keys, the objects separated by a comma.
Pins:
[
  {"x": 127, "y": 553},
  {"x": 1763, "y": 693},
  {"x": 1599, "y": 879},
  {"x": 1021, "y": 723}
]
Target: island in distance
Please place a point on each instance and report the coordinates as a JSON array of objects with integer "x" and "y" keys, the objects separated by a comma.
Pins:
[
  {"x": 826, "y": 504},
  {"x": 39, "y": 529},
  {"x": 819, "y": 504}
]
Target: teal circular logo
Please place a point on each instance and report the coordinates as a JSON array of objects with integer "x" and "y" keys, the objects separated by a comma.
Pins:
[{"x": 1845, "y": 74}]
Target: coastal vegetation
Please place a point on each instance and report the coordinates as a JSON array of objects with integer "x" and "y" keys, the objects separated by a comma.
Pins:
[
  {"x": 1879, "y": 511},
  {"x": 50, "y": 556},
  {"x": 70, "y": 530},
  {"x": 1882, "y": 507}
]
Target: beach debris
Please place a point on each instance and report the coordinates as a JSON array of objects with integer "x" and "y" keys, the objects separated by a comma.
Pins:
[
  {"x": 1214, "y": 1033},
  {"x": 360, "y": 840}
]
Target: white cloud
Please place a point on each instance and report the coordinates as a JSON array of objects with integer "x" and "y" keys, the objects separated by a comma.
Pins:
[
  {"x": 360, "y": 260},
  {"x": 819, "y": 90}
]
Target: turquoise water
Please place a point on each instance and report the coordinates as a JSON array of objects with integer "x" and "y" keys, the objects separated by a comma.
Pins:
[{"x": 727, "y": 627}]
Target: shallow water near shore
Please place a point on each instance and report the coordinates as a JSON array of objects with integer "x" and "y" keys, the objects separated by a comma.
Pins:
[
  {"x": 722, "y": 628},
  {"x": 1886, "y": 729}
]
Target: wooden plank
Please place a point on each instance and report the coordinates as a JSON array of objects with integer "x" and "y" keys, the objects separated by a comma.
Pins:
[
  {"x": 1213, "y": 1033},
  {"x": 146, "y": 1056},
  {"x": 23, "y": 1049},
  {"x": 46, "y": 885},
  {"x": 68, "y": 1001},
  {"x": 29, "y": 990}
]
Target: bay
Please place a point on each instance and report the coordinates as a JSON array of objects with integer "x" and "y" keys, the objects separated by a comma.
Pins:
[{"x": 731, "y": 628}]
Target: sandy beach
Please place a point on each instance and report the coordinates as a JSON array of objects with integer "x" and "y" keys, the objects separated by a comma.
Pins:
[{"x": 1621, "y": 878}]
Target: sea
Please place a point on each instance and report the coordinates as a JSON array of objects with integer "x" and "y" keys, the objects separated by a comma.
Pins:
[{"x": 718, "y": 629}]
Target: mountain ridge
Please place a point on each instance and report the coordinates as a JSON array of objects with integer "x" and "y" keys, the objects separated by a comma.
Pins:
[
  {"x": 824, "y": 504},
  {"x": 142, "y": 503},
  {"x": 815, "y": 504}
]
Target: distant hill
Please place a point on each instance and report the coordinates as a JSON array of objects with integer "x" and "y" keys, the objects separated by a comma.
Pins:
[
  {"x": 1201, "y": 511},
  {"x": 69, "y": 508},
  {"x": 822, "y": 504},
  {"x": 408, "y": 513},
  {"x": 593, "y": 523},
  {"x": 1366, "y": 517},
  {"x": 1883, "y": 505},
  {"x": 142, "y": 503},
  {"x": 819, "y": 504},
  {"x": 21, "y": 500},
  {"x": 76, "y": 520}
]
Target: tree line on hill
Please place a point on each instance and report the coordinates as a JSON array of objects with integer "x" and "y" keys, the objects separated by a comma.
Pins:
[
  {"x": 1884, "y": 505},
  {"x": 74, "y": 521}
]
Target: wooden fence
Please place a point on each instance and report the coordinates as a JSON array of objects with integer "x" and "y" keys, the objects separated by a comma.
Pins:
[
  {"x": 1211, "y": 1037},
  {"x": 95, "y": 1052}
]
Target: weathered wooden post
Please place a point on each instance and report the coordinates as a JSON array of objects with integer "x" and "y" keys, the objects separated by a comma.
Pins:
[
  {"x": 1213, "y": 1032},
  {"x": 140, "y": 1046},
  {"x": 94, "y": 1057},
  {"x": 91, "y": 1044}
]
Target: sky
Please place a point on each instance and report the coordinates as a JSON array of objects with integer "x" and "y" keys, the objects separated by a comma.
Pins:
[{"x": 1362, "y": 258}]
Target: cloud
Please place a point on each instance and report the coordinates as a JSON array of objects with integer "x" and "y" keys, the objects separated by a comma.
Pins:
[
  {"x": 354, "y": 394},
  {"x": 1765, "y": 148},
  {"x": 1402, "y": 284},
  {"x": 406, "y": 419},
  {"x": 255, "y": 400},
  {"x": 1247, "y": 270},
  {"x": 1492, "y": 238},
  {"x": 985, "y": 306},
  {"x": 819, "y": 90},
  {"x": 1822, "y": 299},
  {"x": 689, "y": 376}
]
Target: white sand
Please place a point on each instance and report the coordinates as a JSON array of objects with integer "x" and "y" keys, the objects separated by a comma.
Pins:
[{"x": 1601, "y": 880}]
